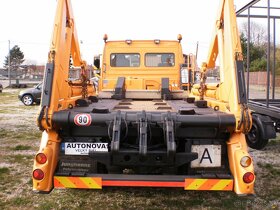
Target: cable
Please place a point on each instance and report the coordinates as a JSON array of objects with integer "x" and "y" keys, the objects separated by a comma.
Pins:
[{"x": 109, "y": 127}]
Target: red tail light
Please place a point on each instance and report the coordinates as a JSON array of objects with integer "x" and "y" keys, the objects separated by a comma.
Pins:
[
  {"x": 41, "y": 158},
  {"x": 248, "y": 177},
  {"x": 38, "y": 174}
]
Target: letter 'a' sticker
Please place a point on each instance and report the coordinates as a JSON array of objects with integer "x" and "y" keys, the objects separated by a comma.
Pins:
[{"x": 82, "y": 119}]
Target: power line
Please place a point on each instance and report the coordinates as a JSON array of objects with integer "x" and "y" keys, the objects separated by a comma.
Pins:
[
  {"x": 25, "y": 42},
  {"x": 32, "y": 43}
]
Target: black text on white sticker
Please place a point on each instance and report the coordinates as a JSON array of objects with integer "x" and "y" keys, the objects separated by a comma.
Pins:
[{"x": 82, "y": 119}]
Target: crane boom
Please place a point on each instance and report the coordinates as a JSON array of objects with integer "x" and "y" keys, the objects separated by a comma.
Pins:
[
  {"x": 229, "y": 94},
  {"x": 64, "y": 47}
]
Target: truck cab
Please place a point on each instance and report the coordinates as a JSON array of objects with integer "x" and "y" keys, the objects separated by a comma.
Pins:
[{"x": 142, "y": 63}]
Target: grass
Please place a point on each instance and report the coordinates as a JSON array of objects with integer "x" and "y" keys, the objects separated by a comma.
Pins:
[
  {"x": 21, "y": 133},
  {"x": 274, "y": 142},
  {"x": 21, "y": 147},
  {"x": 4, "y": 171},
  {"x": 8, "y": 97},
  {"x": 19, "y": 139},
  {"x": 27, "y": 136},
  {"x": 20, "y": 159},
  {"x": 273, "y": 171}
]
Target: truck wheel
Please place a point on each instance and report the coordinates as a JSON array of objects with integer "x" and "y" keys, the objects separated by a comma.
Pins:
[
  {"x": 27, "y": 100},
  {"x": 254, "y": 137}
]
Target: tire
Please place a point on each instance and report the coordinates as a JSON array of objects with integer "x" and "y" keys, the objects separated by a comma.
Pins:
[
  {"x": 27, "y": 100},
  {"x": 254, "y": 137}
]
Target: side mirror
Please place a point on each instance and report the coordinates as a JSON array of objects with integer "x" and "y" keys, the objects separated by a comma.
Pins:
[
  {"x": 39, "y": 87},
  {"x": 96, "y": 63}
]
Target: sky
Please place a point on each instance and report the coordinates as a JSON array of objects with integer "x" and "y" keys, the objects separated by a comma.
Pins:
[{"x": 29, "y": 24}]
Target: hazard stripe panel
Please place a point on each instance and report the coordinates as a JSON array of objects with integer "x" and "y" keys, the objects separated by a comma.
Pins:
[
  {"x": 78, "y": 182},
  {"x": 97, "y": 183},
  {"x": 137, "y": 183},
  {"x": 209, "y": 184}
]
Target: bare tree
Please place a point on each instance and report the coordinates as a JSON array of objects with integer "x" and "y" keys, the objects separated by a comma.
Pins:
[{"x": 258, "y": 33}]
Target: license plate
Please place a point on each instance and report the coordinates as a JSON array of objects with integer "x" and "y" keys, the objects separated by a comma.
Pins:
[
  {"x": 80, "y": 148},
  {"x": 208, "y": 156}
]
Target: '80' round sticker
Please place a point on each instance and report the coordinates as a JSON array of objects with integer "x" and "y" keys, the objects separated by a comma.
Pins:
[{"x": 82, "y": 119}]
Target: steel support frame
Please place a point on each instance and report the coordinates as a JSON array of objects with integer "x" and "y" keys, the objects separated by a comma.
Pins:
[{"x": 269, "y": 17}]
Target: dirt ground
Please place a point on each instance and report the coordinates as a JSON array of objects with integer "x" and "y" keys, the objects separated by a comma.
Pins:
[{"x": 19, "y": 141}]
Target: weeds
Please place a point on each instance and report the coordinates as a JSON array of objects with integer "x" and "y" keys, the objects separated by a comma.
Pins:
[
  {"x": 22, "y": 147},
  {"x": 273, "y": 171},
  {"x": 20, "y": 158},
  {"x": 4, "y": 171}
]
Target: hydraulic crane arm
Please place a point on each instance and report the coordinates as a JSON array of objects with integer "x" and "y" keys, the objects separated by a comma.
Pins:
[
  {"x": 213, "y": 50},
  {"x": 58, "y": 93},
  {"x": 65, "y": 38},
  {"x": 230, "y": 94}
]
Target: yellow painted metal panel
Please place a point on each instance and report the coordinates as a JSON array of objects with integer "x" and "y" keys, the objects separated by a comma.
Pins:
[
  {"x": 78, "y": 182},
  {"x": 222, "y": 184},
  {"x": 195, "y": 184},
  {"x": 209, "y": 184}
]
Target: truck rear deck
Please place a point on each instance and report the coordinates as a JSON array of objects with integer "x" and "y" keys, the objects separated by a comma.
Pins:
[{"x": 144, "y": 140}]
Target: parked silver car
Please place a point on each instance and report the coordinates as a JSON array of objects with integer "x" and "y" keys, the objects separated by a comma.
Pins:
[{"x": 31, "y": 95}]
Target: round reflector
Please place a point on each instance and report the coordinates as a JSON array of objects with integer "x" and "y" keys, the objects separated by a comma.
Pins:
[
  {"x": 248, "y": 177},
  {"x": 38, "y": 174},
  {"x": 41, "y": 158},
  {"x": 245, "y": 161}
]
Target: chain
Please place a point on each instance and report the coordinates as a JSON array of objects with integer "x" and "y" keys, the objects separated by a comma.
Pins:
[
  {"x": 84, "y": 82},
  {"x": 203, "y": 77},
  {"x": 245, "y": 119}
]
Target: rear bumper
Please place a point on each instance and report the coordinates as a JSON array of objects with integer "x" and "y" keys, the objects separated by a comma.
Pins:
[{"x": 105, "y": 180}]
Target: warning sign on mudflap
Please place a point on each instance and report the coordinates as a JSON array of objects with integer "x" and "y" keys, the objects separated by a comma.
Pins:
[{"x": 82, "y": 119}]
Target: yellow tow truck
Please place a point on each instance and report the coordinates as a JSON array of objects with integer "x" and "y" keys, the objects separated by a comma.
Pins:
[{"x": 144, "y": 128}]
